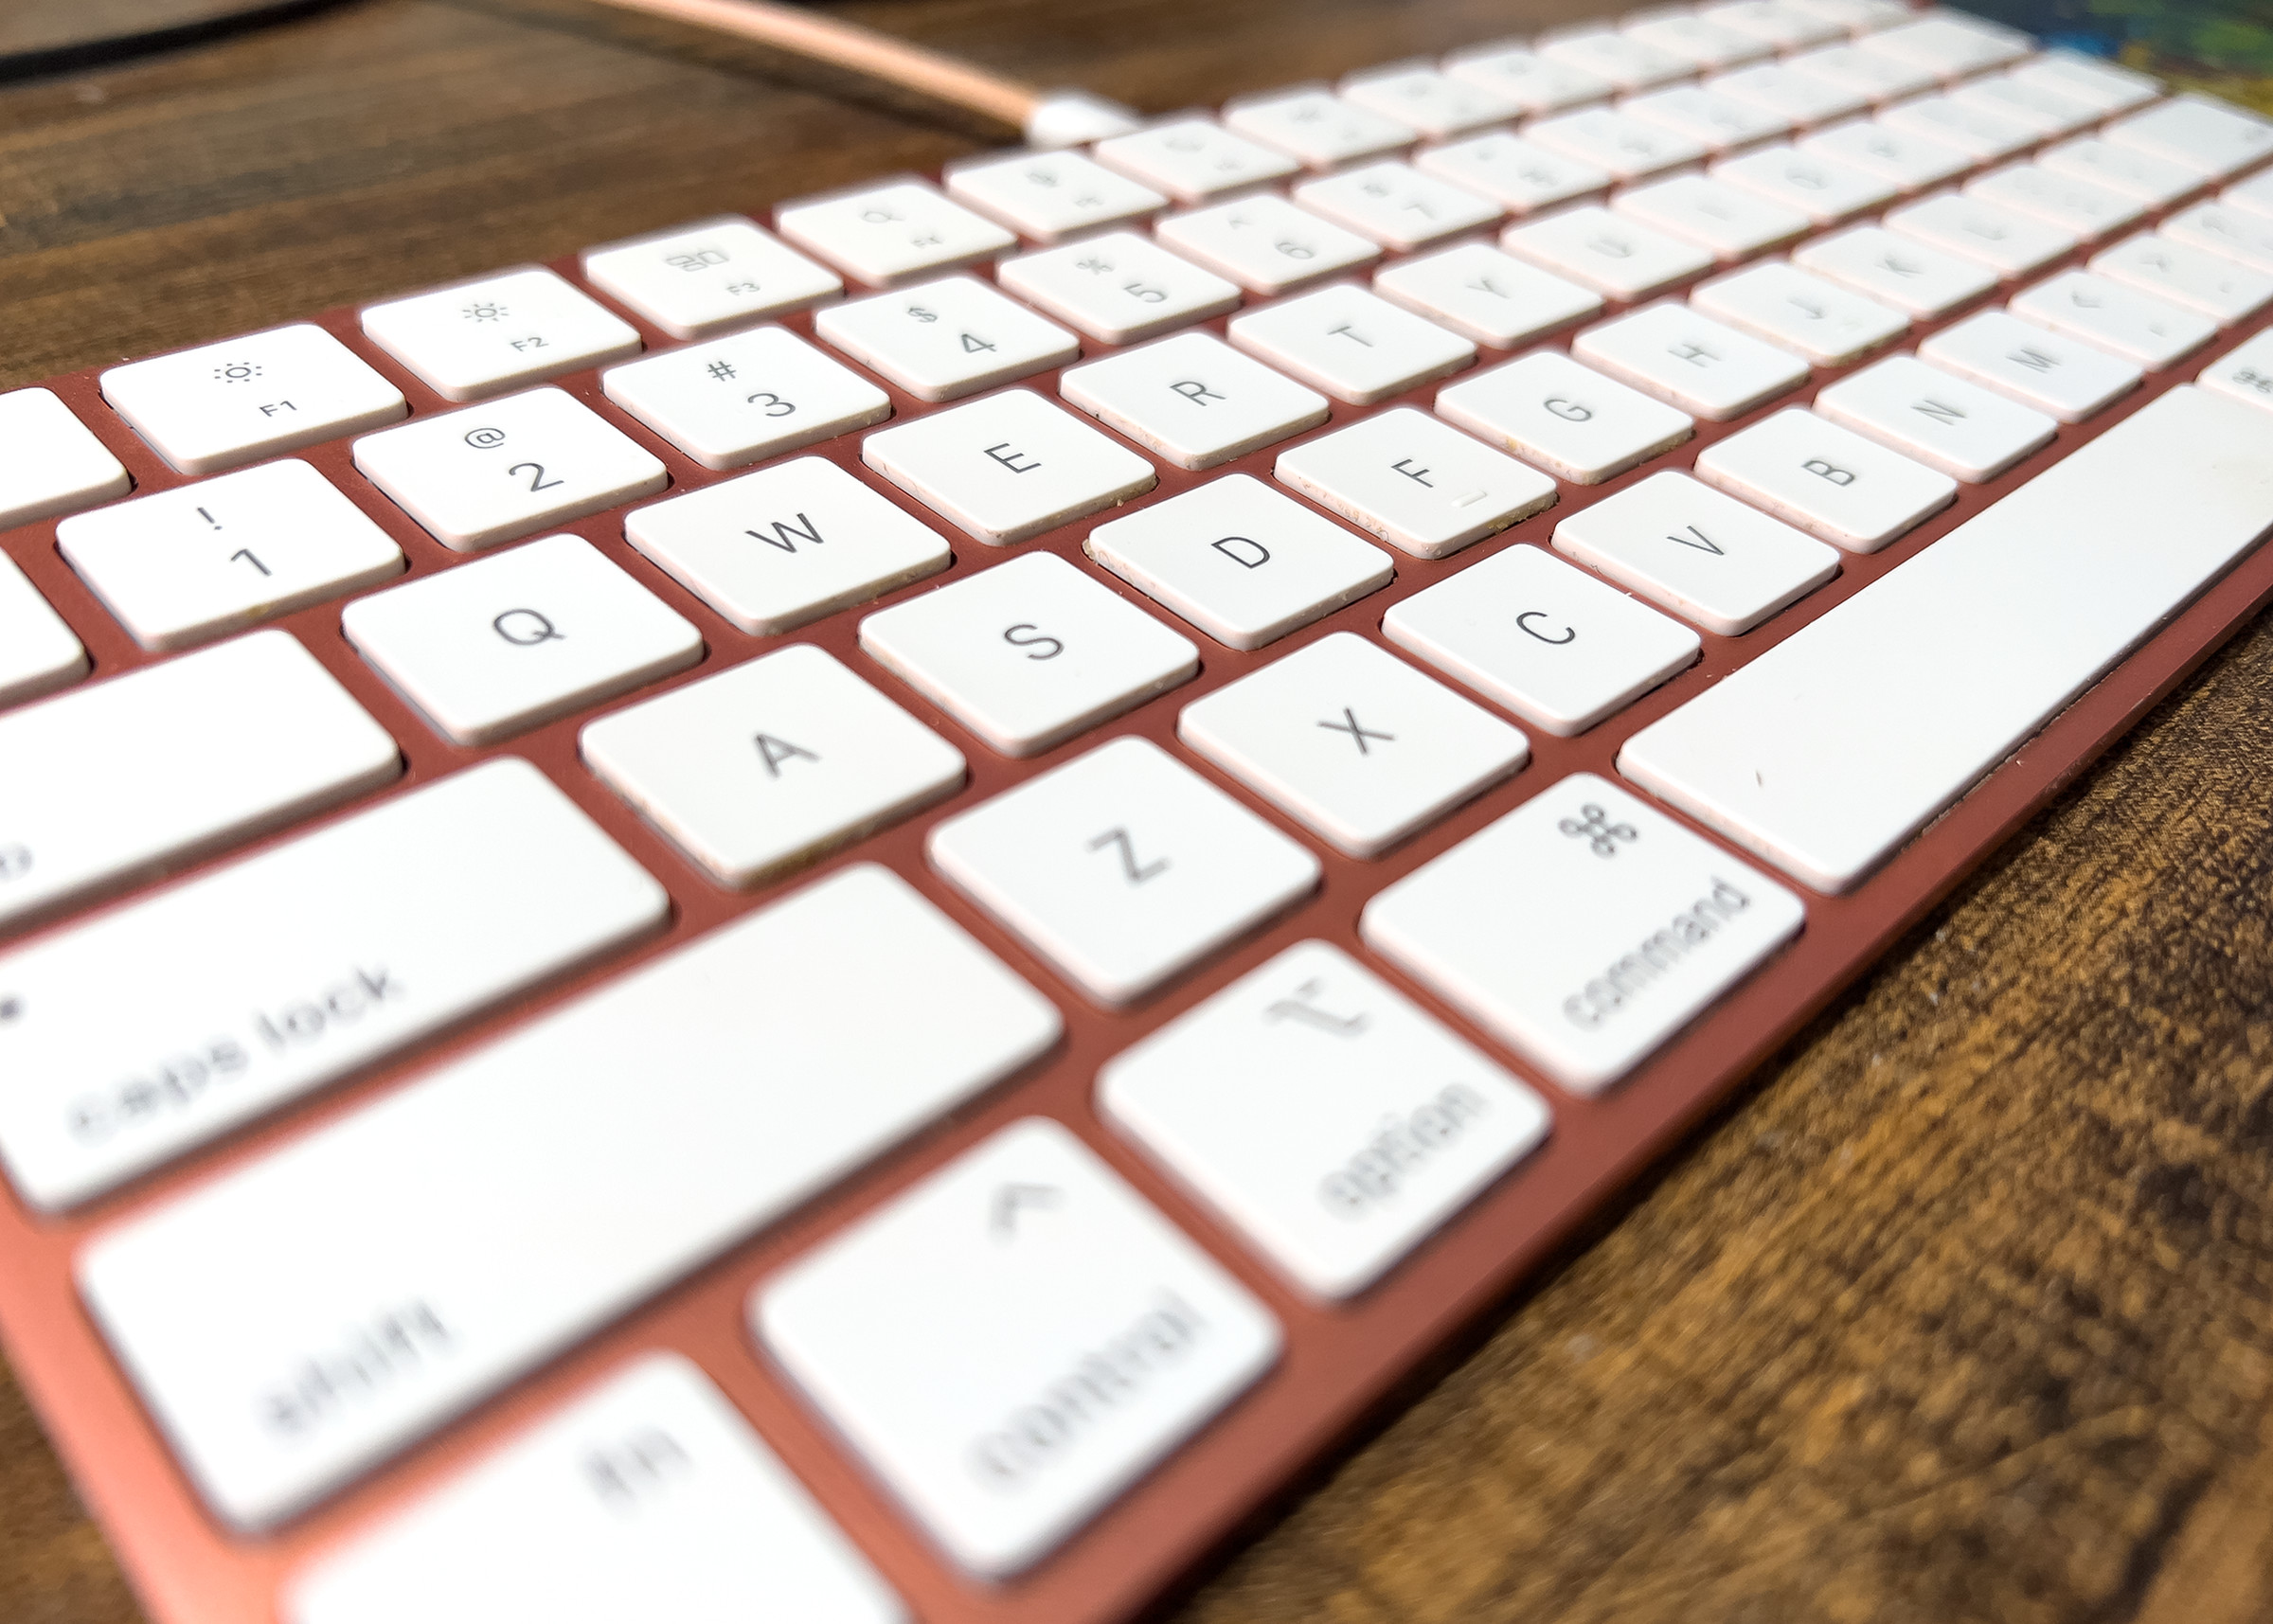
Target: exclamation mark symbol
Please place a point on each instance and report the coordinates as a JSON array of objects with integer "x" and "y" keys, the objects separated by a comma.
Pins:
[{"x": 208, "y": 518}]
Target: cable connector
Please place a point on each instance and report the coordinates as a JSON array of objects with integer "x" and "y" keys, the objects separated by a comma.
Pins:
[{"x": 1075, "y": 118}]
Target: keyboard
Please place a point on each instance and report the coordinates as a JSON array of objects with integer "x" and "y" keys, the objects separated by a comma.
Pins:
[{"x": 875, "y": 913}]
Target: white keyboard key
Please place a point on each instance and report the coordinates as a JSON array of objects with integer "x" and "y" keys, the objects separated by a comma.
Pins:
[
  {"x": 472, "y": 340},
  {"x": 1194, "y": 159},
  {"x": 2245, "y": 373},
  {"x": 1708, "y": 45},
  {"x": 1954, "y": 45},
  {"x": 1352, "y": 740},
  {"x": 1872, "y": 74},
  {"x": 1118, "y": 287},
  {"x": 76, "y": 810},
  {"x": 1690, "y": 361},
  {"x": 1528, "y": 82},
  {"x": 745, "y": 396},
  {"x": 1355, "y": 346},
  {"x": 500, "y": 644},
  {"x": 769, "y": 764},
  {"x": 1317, "y": 127},
  {"x": 435, "y": 903},
  {"x": 1395, "y": 205},
  {"x": 186, "y": 565},
  {"x": 648, "y": 1492},
  {"x": 2046, "y": 113},
  {"x": 1122, "y": 867},
  {"x": 1716, "y": 216},
  {"x": 2153, "y": 181},
  {"x": 1192, "y": 400},
  {"x": 222, "y": 405},
  {"x": 1047, "y": 196},
  {"x": 2209, "y": 138},
  {"x": 2244, "y": 238},
  {"x": 1829, "y": 481},
  {"x": 1716, "y": 123},
  {"x": 1627, "y": 60},
  {"x": 1007, "y": 468},
  {"x": 2008, "y": 241},
  {"x": 1541, "y": 638},
  {"x": 1241, "y": 561},
  {"x": 696, "y": 281},
  {"x": 1785, "y": 27},
  {"x": 822, "y": 540},
  {"x": 2081, "y": 208},
  {"x": 1824, "y": 189},
  {"x": 2103, "y": 86},
  {"x": 1703, "y": 555},
  {"x": 1982, "y": 136},
  {"x": 1821, "y": 320},
  {"x": 1616, "y": 256},
  {"x": 1629, "y": 148},
  {"x": 1439, "y": 106},
  {"x": 1521, "y": 176},
  {"x": 1832, "y": 748},
  {"x": 1633, "y": 927},
  {"x": 2252, "y": 196},
  {"x": 947, "y": 1336},
  {"x": 1910, "y": 161},
  {"x": 1323, "y": 1114},
  {"x": 1029, "y": 653},
  {"x": 1574, "y": 423},
  {"x": 38, "y": 652},
  {"x": 1417, "y": 483},
  {"x": 1945, "y": 422},
  {"x": 521, "y": 1243},
  {"x": 1858, "y": 17},
  {"x": 1484, "y": 294},
  {"x": 2137, "y": 327},
  {"x": 890, "y": 233},
  {"x": 49, "y": 461},
  {"x": 1265, "y": 244},
  {"x": 1920, "y": 281},
  {"x": 942, "y": 340},
  {"x": 2062, "y": 376},
  {"x": 2194, "y": 278},
  {"x": 1805, "y": 98},
  {"x": 501, "y": 471}
]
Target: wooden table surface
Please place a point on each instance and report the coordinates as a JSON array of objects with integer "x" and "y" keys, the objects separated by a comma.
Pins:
[{"x": 1963, "y": 1312}]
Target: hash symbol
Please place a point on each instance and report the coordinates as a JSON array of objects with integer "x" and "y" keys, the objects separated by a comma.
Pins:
[
  {"x": 1596, "y": 828},
  {"x": 722, "y": 371}
]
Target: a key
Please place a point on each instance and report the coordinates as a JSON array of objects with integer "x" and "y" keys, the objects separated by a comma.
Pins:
[
  {"x": 435, "y": 903},
  {"x": 1824, "y": 189},
  {"x": 493, "y": 473},
  {"x": 1785, "y": 27},
  {"x": 1418, "y": 484},
  {"x": 2209, "y": 138},
  {"x": 52, "y": 463},
  {"x": 1539, "y": 638},
  {"x": 888, "y": 235},
  {"x": 1192, "y": 400},
  {"x": 947, "y": 1335},
  {"x": 647, "y": 1492},
  {"x": 1710, "y": 46},
  {"x": 1627, "y": 60},
  {"x": 257, "y": 1403},
  {"x": 2244, "y": 238},
  {"x": 1705, "y": 556},
  {"x": 2094, "y": 80},
  {"x": 472, "y": 340},
  {"x": 1439, "y": 106},
  {"x": 184, "y": 566},
  {"x": 1716, "y": 123},
  {"x": 1123, "y": 868},
  {"x": 1118, "y": 287},
  {"x": 2046, "y": 113},
  {"x": 1826, "y": 323},
  {"x": 1829, "y": 481},
  {"x": 2209, "y": 283},
  {"x": 1007, "y": 468},
  {"x": 1484, "y": 294},
  {"x": 1911, "y": 161},
  {"x": 1324, "y": 1114},
  {"x": 1360, "y": 747},
  {"x": 1244, "y": 563},
  {"x": 1317, "y": 127},
  {"x": 1830, "y": 749},
  {"x": 696, "y": 281},
  {"x": 1981, "y": 135},
  {"x": 942, "y": 340},
  {"x": 2154, "y": 181},
  {"x": 1615, "y": 255},
  {"x": 2081, "y": 209},
  {"x": 1047, "y": 196},
  {"x": 1954, "y": 45},
  {"x": 1396, "y": 204},
  {"x": 1691, "y": 362},
  {"x": 2062, "y": 376},
  {"x": 1530, "y": 83},
  {"x": 2245, "y": 373},
  {"x": 1719, "y": 218},
  {"x": 1029, "y": 653},
  {"x": 38, "y": 652},
  {"x": 1194, "y": 159},
  {"x": 1912, "y": 277},
  {"x": 1943, "y": 422},
  {"x": 2137, "y": 327},
  {"x": 1572, "y": 421},
  {"x": 1628, "y": 148},
  {"x": 1807, "y": 99},
  {"x": 1355, "y": 346},
  {"x": 1521, "y": 176},
  {"x": 745, "y": 396},
  {"x": 786, "y": 544},
  {"x": 2008, "y": 241},
  {"x": 502, "y": 644},
  {"x": 1633, "y": 926},
  {"x": 222, "y": 405},
  {"x": 76, "y": 810},
  {"x": 769, "y": 764},
  {"x": 1265, "y": 244},
  {"x": 1872, "y": 74}
]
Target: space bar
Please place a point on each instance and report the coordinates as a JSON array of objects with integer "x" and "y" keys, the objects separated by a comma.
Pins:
[{"x": 1830, "y": 749}]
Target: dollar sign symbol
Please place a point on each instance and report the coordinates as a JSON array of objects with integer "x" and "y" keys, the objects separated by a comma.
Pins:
[{"x": 920, "y": 313}]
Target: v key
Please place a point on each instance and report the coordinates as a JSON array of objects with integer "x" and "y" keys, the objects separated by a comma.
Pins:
[{"x": 1702, "y": 543}]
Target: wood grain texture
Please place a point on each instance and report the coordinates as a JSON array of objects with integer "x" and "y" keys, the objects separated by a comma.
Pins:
[{"x": 1965, "y": 1313}]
